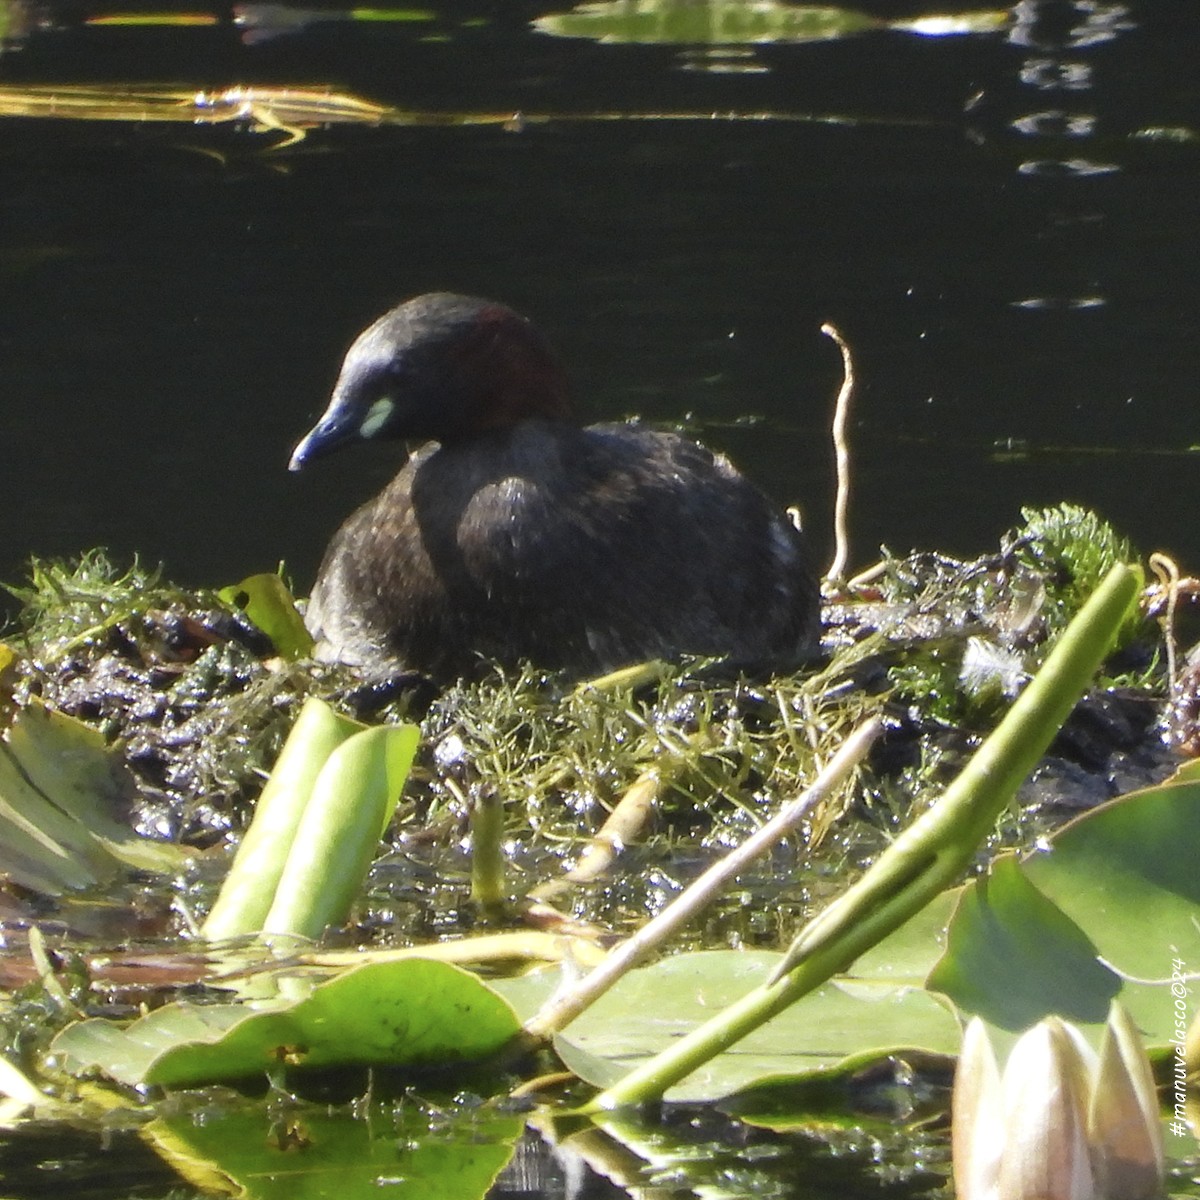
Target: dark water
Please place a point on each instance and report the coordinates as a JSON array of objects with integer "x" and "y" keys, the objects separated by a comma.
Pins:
[{"x": 1004, "y": 225}]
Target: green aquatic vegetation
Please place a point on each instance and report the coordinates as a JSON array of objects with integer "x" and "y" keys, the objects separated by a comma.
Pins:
[
  {"x": 189, "y": 688},
  {"x": 62, "y": 798},
  {"x": 316, "y": 828},
  {"x": 31, "y": 1014},
  {"x": 182, "y": 679},
  {"x": 1061, "y": 931},
  {"x": 413, "y": 1012},
  {"x": 683, "y": 991},
  {"x": 724, "y": 755},
  {"x": 1070, "y": 549},
  {"x": 727, "y": 752},
  {"x": 202, "y": 722},
  {"x": 927, "y": 857},
  {"x": 66, "y": 604},
  {"x": 267, "y": 602},
  {"x": 974, "y": 632},
  {"x": 928, "y": 679}
]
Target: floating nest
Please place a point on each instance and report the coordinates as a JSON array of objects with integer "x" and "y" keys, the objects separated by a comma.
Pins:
[{"x": 198, "y": 700}]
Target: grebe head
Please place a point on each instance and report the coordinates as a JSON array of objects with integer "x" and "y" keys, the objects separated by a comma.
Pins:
[{"x": 439, "y": 367}]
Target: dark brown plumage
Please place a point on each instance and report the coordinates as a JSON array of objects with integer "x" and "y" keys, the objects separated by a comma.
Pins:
[{"x": 520, "y": 535}]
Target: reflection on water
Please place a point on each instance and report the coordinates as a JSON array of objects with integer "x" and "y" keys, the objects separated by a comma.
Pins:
[
  {"x": 1059, "y": 30},
  {"x": 1062, "y": 34},
  {"x": 1056, "y": 124},
  {"x": 721, "y": 60},
  {"x": 1049, "y": 75},
  {"x": 1063, "y": 304},
  {"x": 1066, "y": 168},
  {"x": 708, "y": 30},
  {"x": 1068, "y": 25},
  {"x": 257, "y": 23}
]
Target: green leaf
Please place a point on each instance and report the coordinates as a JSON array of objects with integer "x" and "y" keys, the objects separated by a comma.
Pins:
[
  {"x": 1102, "y": 914},
  {"x": 29, "y": 854},
  {"x": 352, "y": 801},
  {"x": 59, "y": 799},
  {"x": 265, "y": 599},
  {"x": 413, "y": 1013},
  {"x": 249, "y": 888},
  {"x": 71, "y": 765},
  {"x": 1013, "y": 956},
  {"x": 836, "y": 1029}
]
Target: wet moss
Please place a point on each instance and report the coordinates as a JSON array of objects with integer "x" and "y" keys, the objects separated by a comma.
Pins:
[{"x": 179, "y": 679}]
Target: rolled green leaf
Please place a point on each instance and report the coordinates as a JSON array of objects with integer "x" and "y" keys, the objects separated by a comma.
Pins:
[
  {"x": 265, "y": 599},
  {"x": 487, "y": 851},
  {"x": 249, "y": 888},
  {"x": 351, "y": 803}
]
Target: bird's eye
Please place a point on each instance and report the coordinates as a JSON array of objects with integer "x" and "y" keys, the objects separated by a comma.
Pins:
[{"x": 377, "y": 416}]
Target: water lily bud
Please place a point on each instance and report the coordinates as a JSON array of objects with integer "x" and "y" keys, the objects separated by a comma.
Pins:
[
  {"x": 977, "y": 1117},
  {"x": 1061, "y": 1123},
  {"x": 1046, "y": 1154},
  {"x": 1191, "y": 1052},
  {"x": 1123, "y": 1123}
]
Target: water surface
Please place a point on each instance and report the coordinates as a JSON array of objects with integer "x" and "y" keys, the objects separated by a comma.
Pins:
[{"x": 1002, "y": 223}]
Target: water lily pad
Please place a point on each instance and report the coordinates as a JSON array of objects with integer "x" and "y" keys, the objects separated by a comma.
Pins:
[
  {"x": 1104, "y": 912},
  {"x": 839, "y": 1028},
  {"x": 1013, "y": 956},
  {"x": 414, "y": 1013},
  {"x": 60, "y": 805}
]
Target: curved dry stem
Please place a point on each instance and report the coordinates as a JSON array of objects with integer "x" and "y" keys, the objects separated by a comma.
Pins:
[
  {"x": 841, "y": 449},
  {"x": 625, "y": 823},
  {"x": 1167, "y": 571}
]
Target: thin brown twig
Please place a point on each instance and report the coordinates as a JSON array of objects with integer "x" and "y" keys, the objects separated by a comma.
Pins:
[
  {"x": 1167, "y": 571},
  {"x": 841, "y": 448}
]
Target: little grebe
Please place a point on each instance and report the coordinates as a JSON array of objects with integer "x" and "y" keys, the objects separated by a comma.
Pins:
[{"x": 516, "y": 534}]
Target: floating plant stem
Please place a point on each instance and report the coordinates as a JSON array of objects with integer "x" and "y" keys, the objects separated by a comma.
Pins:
[{"x": 487, "y": 850}]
